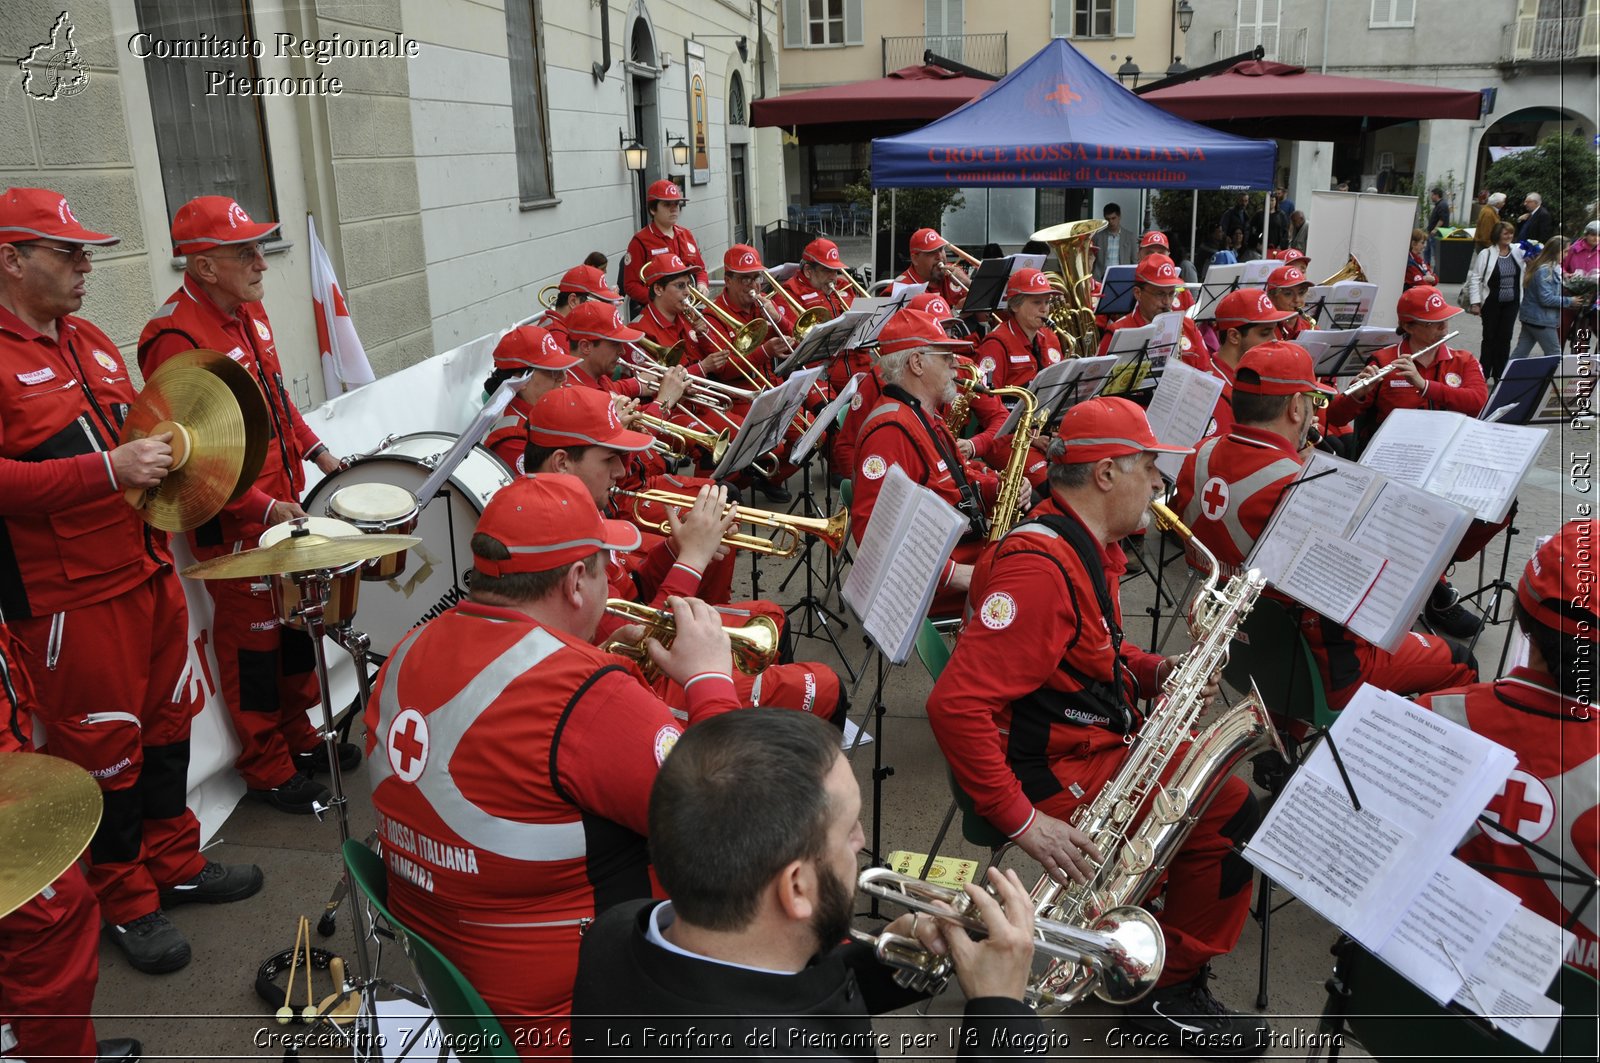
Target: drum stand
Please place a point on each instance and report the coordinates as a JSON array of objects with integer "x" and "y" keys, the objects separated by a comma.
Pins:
[{"x": 358, "y": 645}]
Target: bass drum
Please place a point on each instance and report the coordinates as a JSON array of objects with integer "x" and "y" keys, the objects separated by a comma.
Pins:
[{"x": 438, "y": 568}]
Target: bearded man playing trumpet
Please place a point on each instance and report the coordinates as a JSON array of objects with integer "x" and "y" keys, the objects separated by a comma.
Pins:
[
  {"x": 930, "y": 267},
  {"x": 1034, "y": 740},
  {"x": 820, "y": 282}
]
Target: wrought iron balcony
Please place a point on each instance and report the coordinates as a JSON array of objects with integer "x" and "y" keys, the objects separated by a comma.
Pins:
[
  {"x": 981, "y": 51},
  {"x": 1549, "y": 40},
  {"x": 1283, "y": 44}
]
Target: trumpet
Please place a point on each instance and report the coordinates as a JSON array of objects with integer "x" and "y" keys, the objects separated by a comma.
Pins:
[
  {"x": 830, "y": 530},
  {"x": 713, "y": 394},
  {"x": 1367, "y": 382},
  {"x": 1124, "y": 945},
  {"x": 754, "y": 644},
  {"x": 666, "y": 356},
  {"x": 714, "y": 443}
]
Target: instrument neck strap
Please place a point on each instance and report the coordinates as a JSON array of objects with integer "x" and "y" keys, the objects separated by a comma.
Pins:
[{"x": 952, "y": 458}]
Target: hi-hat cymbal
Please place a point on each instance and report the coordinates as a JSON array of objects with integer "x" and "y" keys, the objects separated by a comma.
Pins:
[
  {"x": 218, "y": 421},
  {"x": 49, "y": 809},
  {"x": 301, "y": 553}
]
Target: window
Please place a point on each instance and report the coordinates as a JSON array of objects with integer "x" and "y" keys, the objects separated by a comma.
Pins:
[
  {"x": 208, "y": 145},
  {"x": 737, "y": 114},
  {"x": 529, "y": 123},
  {"x": 942, "y": 28},
  {"x": 1092, "y": 18},
  {"x": 1258, "y": 24},
  {"x": 1393, "y": 13},
  {"x": 821, "y": 23},
  {"x": 825, "y": 22}
]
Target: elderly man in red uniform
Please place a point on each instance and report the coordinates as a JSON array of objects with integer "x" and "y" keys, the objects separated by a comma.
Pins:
[
  {"x": 267, "y": 671},
  {"x": 87, "y": 588},
  {"x": 929, "y": 266},
  {"x": 817, "y": 284},
  {"x": 1287, "y": 288},
  {"x": 530, "y": 351},
  {"x": 512, "y": 760},
  {"x": 1227, "y": 491},
  {"x": 664, "y": 202},
  {"x": 1544, "y": 712},
  {"x": 577, "y": 286},
  {"x": 1155, "y": 282},
  {"x": 916, "y": 361},
  {"x": 1038, "y": 736}
]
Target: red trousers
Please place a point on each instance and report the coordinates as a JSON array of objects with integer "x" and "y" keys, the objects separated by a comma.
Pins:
[
  {"x": 1420, "y": 664},
  {"x": 268, "y": 678},
  {"x": 115, "y": 690},
  {"x": 1208, "y": 885},
  {"x": 49, "y": 964}
]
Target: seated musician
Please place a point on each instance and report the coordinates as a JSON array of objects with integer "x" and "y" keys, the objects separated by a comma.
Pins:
[
  {"x": 1543, "y": 711},
  {"x": 1226, "y": 493},
  {"x": 577, "y": 432},
  {"x": 1245, "y": 318},
  {"x": 1155, "y": 242},
  {"x": 1015, "y": 352},
  {"x": 662, "y": 236},
  {"x": 578, "y": 285},
  {"x": 820, "y": 280},
  {"x": 1038, "y": 736},
  {"x": 598, "y": 337},
  {"x": 1293, "y": 256},
  {"x": 530, "y": 351},
  {"x": 1155, "y": 284},
  {"x": 755, "y": 825},
  {"x": 930, "y": 267},
  {"x": 1287, "y": 288},
  {"x": 916, "y": 360},
  {"x": 670, "y": 320},
  {"x": 516, "y": 758}
]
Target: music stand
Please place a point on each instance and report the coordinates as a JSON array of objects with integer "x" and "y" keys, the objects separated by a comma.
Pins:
[
  {"x": 988, "y": 291},
  {"x": 1116, "y": 292}
]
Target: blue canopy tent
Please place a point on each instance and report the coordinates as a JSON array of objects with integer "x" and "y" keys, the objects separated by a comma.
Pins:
[{"x": 1059, "y": 120}]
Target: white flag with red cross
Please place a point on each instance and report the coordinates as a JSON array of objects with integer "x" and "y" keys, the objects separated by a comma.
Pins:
[{"x": 344, "y": 360}]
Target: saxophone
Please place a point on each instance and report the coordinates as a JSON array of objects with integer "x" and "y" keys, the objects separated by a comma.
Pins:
[
  {"x": 1013, "y": 479},
  {"x": 1137, "y": 821}
]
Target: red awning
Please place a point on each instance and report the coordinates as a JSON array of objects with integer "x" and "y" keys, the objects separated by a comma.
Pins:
[
  {"x": 914, "y": 96},
  {"x": 1265, "y": 99}
]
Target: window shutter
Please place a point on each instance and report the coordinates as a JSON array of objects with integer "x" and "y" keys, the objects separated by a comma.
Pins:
[
  {"x": 852, "y": 21},
  {"x": 794, "y": 23},
  {"x": 1405, "y": 11},
  {"x": 1060, "y": 18},
  {"x": 1125, "y": 9}
]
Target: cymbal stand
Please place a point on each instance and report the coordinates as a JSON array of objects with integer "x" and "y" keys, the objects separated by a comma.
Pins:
[{"x": 358, "y": 645}]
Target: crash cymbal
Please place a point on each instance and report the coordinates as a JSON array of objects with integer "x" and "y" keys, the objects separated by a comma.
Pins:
[
  {"x": 49, "y": 809},
  {"x": 199, "y": 397},
  {"x": 301, "y": 553}
]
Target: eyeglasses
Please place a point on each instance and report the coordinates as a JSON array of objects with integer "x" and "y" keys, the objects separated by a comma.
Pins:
[
  {"x": 248, "y": 253},
  {"x": 76, "y": 254},
  {"x": 1318, "y": 399}
]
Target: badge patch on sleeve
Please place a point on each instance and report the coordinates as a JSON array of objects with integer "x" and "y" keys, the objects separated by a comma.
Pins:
[
  {"x": 997, "y": 611},
  {"x": 666, "y": 738},
  {"x": 874, "y": 467}
]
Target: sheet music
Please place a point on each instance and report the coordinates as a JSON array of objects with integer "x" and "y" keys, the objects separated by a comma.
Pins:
[
  {"x": 1326, "y": 502},
  {"x": 823, "y": 341},
  {"x": 1525, "y": 956},
  {"x": 829, "y": 414},
  {"x": 1343, "y": 352},
  {"x": 1447, "y": 929},
  {"x": 1181, "y": 410},
  {"x": 469, "y": 438},
  {"x": 1168, "y": 331},
  {"x": 1530, "y": 1018},
  {"x": 866, "y": 572},
  {"x": 1345, "y": 305},
  {"x": 1418, "y": 533},
  {"x": 1073, "y": 379},
  {"x": 910, "y": 291},
  {"x": 765, "y": 423},
  {"x": 1335, "y": 572},
  {"x": 1408, "y": 448},
  {"x": 1478, "y": 464}
]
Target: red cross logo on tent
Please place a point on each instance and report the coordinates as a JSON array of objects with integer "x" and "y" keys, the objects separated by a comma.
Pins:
[
  {"x": 1524, "y": 805},
  {"x": 408, "y": 745},
  {"x": 1214, "y": 498},
  {"x": 1064, "y": 95}
]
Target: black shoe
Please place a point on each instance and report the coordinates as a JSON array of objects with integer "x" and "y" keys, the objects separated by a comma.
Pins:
[
  {"x": 773, "y": 491},
  {"x": 1189, "y": 1019},
  {"x": 1448, "y": 616},
  {"x": 315, "y": 760},
  {"x": 151, "y": 943},
  {"x": 216, "y": 884},
  {"x": 299, "y": 795},
  {"x": 124, "y": 1048}
]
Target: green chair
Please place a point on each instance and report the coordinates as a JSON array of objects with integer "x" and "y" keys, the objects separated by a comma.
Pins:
[
  {"x": 1393, "y": 1019},
  {"x": 468, "y": 1024}
]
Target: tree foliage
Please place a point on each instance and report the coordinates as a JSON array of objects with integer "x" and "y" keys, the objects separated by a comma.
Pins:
[
  {"x": 1173, "y": 209},
  {"x": 1562, "y": 168},
  {"x": 914, "y": 208}
]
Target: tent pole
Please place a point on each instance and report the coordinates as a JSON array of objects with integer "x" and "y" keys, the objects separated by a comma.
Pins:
[
  {"x": 893, "y": 193},
  {"x": 1266, "y": 223},
  {"x": 1194, "y": 224},
  {"x": 872, "y": 234}
]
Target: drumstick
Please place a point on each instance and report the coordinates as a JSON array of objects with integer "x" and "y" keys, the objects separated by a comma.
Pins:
[
  {"x": 310, "y": 1011},
  {"x": 284, "y": 1014}
]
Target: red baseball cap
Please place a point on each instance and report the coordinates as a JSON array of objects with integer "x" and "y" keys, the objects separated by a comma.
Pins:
[
  {"x": 1248, "y": 306},
  {"x": 664, "y": 267},
  {"x": 909, "y": 329},
  {"x": 40, "y": 214},
  {"x": 531, "y": 347},
  {"x": 741, "y": 258},
  {"x": 1291, "y": 255},
  {"x": 823, "y": 252},
  {"x": 600, "y": 321},
  {"x": 1027, "y": 282},
  {"x": 926, "y": 240},
  {"x": 1424, "y": 303},
  {"x": 215, "y": 221},
  {"x": 933, "y": 304},
  {"x": 1559, "y": 585},
  {"x": 548, "y": 521},
  {"x": 664, "y": 190},
  {"x": 1154, "y": 238},
  {"x": 1108, "y": 427},
  {"x": 581, "y": 417},
  {"x": 1288, "y": 277},
  {"x": 586, "y": 280},
  {"x": 1159, "y": 271},
  {"x": 1278, "y": 367}
]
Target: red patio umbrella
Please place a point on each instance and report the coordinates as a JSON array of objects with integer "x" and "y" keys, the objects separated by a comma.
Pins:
[{"x": 861, "y": 110}]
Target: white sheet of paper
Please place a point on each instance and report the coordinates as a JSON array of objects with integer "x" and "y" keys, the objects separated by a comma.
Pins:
[
  {"x": 1525, "y": 956},
  {"x": 1418, "y": 532},
  {"x": 1338, "y": 574},
  {"x": 1181, "y": 410},
  {"x": 1326, "y": 502},
  {"x": 826, "y": 417},
  {"x": 1531, "y": 1018},
  {"x": 1485, "y": 467},
  {"x": 1447, "y": 929}
]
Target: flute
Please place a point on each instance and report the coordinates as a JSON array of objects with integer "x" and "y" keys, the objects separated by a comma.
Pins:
[{"x": 1366, "y": 382}]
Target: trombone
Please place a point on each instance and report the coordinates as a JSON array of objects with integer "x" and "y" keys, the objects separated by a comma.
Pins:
[
  {"x": 548, "y": 295},
  {"x": 789, "y": 526},
  {"x": 805, "y": 320},
  {"x": 754, "y": 643},
  {"x": 675, "y": 439},
  {"x": 744, "y": 338}
]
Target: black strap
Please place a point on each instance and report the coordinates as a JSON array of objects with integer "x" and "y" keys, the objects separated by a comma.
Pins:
[{"x": 971, "y": 504}]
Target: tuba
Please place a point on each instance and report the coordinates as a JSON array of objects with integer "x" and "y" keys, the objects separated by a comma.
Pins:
[
  {"x": 1350, "y": 271},
  {"x": 755, "y": 643},
  {"x": 1137, "y": 821},
  {"x": 1072, "y": 312}
]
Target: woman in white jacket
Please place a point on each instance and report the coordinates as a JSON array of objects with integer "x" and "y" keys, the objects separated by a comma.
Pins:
[{"x": 1494, "y": 290}]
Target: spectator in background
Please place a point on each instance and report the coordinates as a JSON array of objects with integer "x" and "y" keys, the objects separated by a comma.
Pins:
[
  {"x": 1113, "y": 247},
  {"x": 1244, "y": 249},
  {"x": 1299, "y": 231},
  {"x": 1538, "y": 224},
  {"x": 1583, "y": 257},
  {"x": 1488, "y": 218},
  {"x": 1542, "y": 302},
  {"x": 1494, "y": 290},
  {"x": 1417, "y": 270},
  {"x": 1438, "y": 217},
  {"x": 1224, "y": 255},
  {"x": 1237, "y": 216}
]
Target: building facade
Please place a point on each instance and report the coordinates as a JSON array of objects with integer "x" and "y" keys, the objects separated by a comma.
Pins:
[{"x": 457, "y": 155}]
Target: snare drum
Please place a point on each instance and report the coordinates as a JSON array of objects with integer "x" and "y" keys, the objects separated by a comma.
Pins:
[
  {"x": 436, "y": 574},
  {"x": 377, "y": 509},
  {"x": 343, "y": 589}
]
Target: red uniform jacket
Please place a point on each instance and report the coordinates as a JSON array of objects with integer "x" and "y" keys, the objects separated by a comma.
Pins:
[
  {"x": 1417, "y": 272},
  {"x": 508, "y": 437},
  {"x": 16, "y": 697},
  {"x": 1290, "y": 327},
  {"x": 1228, "y": 488},
  {"x": 1016, "y": 693},
  {"x": 835, "y": 302},
  {"x": 190, "y": 320},
  {"x": 1009, "y": 359},
  {"x": 651, "y": 241},
  {"x": 1551, "y": 797},
  {"x": 944, "y": 287},
  {"x": 67, "y": 539},
  {"x": 1191, "y": 345},
  {"x": 556, "y": 325},
  {"x": 1454, "y": 381}
]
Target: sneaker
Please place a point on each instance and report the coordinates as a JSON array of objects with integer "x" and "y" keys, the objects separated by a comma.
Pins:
[
  {"x": 1448, "y": 616},
  {"x": 151, "y": 943},
  {"x": 315, "y": 759},
  {"x": 299, "y": 795},
  {"x": 1188, "y": 1018},
  {"x": 125, "y": 1049},
  {"x": 216, "y": 884}
]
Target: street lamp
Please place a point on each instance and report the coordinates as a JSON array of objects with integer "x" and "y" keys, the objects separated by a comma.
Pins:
[
  {"x": 1128, "y": 73},
  {"x": 1177, "y": 67},
  {"x": 635, "y": 155},
  {"x": 1185, "y": 15},
  {"x": 680, "y": 153}
]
